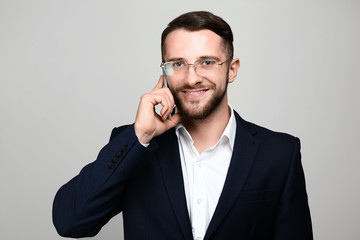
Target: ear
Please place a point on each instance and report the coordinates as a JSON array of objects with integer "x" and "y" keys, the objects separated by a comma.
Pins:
[{"x": 233, "y": 69}]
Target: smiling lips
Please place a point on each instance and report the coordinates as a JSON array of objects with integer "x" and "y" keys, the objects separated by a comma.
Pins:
[{"x": 195, "y": 93}]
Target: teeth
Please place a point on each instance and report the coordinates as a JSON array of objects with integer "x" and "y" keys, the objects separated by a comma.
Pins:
[{"x": 197, "y": 92}]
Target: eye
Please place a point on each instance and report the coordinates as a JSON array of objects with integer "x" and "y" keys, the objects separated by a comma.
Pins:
[
  {"x": 178, "y": 64},
  {"x": 208, "y": 63}
]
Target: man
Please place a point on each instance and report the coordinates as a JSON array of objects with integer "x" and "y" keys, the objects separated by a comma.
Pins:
[{"x": 202, "y": 173}]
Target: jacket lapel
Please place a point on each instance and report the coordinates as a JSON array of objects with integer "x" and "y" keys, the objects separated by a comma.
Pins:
[
  {"x": 244, "y": 152},
  {"x": 170, "y": 165}
]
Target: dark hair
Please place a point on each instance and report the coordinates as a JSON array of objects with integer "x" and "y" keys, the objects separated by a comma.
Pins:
[{"x": 195, "y": 21}]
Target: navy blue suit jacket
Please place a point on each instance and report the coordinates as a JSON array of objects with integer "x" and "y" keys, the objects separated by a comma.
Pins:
[{"x": 264, "y": 195}]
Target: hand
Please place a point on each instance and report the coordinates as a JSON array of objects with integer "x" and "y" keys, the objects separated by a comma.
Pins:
[{"x": 148, "y": 123}]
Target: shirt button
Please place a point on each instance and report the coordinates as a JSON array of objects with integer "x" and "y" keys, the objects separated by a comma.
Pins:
[
  {"x": 199, "y": 201},
  {"x": 198, "y": 238}
]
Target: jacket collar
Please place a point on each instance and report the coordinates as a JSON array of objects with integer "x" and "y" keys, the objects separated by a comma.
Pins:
[{"x": 245, "y": 149}]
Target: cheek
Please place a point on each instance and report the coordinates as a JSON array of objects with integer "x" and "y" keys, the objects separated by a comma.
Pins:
[
  {"x": 175, "y": 83},
  {"x": 221, "y": 82},
  {"x": 174, "y": 88}
]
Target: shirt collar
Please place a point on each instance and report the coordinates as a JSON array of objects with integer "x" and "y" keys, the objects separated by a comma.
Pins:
[{"x": 228, "y": 133}]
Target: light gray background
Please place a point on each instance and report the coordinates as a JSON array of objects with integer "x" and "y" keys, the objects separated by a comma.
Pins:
[{"x": 72, "y": 70}]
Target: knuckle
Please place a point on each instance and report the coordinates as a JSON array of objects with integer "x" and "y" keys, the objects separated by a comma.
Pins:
[{"x": 143, "y": 96}]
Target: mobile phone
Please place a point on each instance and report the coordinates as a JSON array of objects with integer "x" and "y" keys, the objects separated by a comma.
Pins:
[{"x": 166, "y": 85}]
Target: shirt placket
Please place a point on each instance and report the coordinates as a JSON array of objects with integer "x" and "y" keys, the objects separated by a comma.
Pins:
[{"x": 199, "y": 201}]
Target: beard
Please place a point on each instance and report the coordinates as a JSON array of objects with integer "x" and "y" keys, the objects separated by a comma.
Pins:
[{"x": 195, "y": 111}]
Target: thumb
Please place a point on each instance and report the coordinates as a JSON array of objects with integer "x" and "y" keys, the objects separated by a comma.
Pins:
[
  {"x": 175, "y": 119},
  {"x": 160, "y": 83}
]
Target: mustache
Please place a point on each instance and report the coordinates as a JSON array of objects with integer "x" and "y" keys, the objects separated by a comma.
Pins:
[{"x": 188, "y": 87}]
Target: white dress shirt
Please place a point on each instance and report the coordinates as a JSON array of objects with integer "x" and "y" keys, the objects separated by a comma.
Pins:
[{"x": 204, "y": 174}]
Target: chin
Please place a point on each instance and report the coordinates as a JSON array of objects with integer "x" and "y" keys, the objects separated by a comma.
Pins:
[{"x": 198, "y": 112}]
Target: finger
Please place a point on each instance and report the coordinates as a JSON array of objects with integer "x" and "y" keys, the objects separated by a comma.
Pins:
[
  {"x": 169, "y": 94},
  {"x": 170, "y": 98},
  {"x": 163, "y": 90},
  {"x": 163, "y": 100},
  {"x": 160, "y": 83},
  {"x": 164, "y": 111},
  {"x": 172, "y": 101},
  {"x": 166, "y": 108},
  {"x": 170, "y": 123}
]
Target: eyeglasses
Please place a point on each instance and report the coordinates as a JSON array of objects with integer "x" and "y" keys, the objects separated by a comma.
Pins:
[{"x": 201, "y": 67}]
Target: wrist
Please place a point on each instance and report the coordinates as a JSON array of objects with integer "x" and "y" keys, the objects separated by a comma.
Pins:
[{"x": 143, "y": 138}]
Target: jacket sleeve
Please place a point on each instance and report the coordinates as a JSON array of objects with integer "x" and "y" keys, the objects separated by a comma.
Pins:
[
  {"x": 293, "y": 216},
  {"x": 88, "y": 201}
]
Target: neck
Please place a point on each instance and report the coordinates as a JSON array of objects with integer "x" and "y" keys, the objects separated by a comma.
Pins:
[{"x": 207, "y": 132}]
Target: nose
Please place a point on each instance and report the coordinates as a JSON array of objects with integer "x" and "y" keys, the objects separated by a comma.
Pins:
[
  {"x": 192, "y": 77},
  {"x": 193, "y": 66}
]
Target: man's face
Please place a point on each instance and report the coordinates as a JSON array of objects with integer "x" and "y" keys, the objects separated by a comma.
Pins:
[{"x": 197, "y": 96}]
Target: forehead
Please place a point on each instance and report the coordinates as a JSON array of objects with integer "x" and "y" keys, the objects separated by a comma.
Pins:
[{"x": 191, "y": 45}]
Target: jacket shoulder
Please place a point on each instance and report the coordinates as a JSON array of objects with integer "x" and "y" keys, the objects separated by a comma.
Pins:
[{"x": 267, "y": 135}]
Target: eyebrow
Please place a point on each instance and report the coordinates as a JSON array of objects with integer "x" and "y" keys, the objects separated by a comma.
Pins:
[
  {"x": 200, "y": 58},
  {"x": 210, "y": 57},
  {"x": 175, "y": 59}
]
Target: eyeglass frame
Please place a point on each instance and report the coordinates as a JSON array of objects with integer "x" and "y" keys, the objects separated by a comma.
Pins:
[{"x": 162, "y": 65}]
